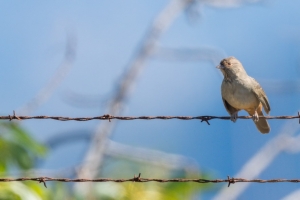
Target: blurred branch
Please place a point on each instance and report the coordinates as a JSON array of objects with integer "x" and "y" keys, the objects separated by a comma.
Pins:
[
  {"x": 128, "y": 152},
  {"x": 210, "y": 54},
  {"x": 94, "y": 156},
  {"x": 153, "y": 157},
  {"x": 44, "y": 94},
  {"x": 192, "y": 11},
  {"x": 292, "y": 196}
]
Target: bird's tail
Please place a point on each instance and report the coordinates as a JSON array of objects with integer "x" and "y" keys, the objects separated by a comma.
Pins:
[{"x": 262, "y": 124}]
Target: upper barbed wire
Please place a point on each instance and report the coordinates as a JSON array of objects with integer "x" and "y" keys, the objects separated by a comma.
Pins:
[{"x": 205, "y": 118}]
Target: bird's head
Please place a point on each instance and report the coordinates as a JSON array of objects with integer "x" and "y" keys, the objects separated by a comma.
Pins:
[{"x": 232, "y": 68}]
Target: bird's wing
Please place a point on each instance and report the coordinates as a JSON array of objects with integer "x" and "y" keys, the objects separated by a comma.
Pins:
[
  {"x": 229, "y": 108},
  {"x": 261, "y": 95}
]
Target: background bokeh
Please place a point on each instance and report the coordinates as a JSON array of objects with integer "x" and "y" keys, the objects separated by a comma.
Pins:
[{"x": 74, "y": 55}]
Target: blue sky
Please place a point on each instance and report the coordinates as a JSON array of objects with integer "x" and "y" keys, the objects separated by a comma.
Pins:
[{"x": 264, "y": 36}]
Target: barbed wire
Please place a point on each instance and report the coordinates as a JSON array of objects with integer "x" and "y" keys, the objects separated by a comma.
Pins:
[
  {"x": 108, "y": 117},
  {"x": 143, "y": 180}
]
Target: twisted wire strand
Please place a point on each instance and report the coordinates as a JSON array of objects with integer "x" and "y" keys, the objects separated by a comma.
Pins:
[
  {"x": 143, "y": 180},
  {"x": 205, "y": 118}
]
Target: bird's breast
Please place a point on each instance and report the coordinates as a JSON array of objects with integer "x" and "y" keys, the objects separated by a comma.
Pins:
[{"x": 239, "y": 95}]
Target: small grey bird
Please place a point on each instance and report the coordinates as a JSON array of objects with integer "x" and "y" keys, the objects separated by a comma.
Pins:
[{"x": 242, "y": 92}]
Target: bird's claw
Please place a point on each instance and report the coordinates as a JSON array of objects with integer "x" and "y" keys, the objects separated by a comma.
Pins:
[
  {"x": 233, "y": 117},
  {"x": 255, "y": 117}
]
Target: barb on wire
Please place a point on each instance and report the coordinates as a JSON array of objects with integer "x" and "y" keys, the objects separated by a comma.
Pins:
[
  {"x": 143, "y": 180},
  {"x": 230, "y": 181},
  {"x": 203, "y": 118}
]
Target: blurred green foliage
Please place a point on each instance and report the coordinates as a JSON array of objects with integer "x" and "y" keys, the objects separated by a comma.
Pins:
[
  {"x": 18, "y": 148},
  {"x": 18, "y": 151}
]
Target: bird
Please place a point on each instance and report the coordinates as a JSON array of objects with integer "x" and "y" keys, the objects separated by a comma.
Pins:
[{"x": 242, "y": 92}]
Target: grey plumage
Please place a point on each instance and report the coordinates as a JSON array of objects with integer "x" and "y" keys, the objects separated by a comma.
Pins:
[{"x": 242, "y": 92}]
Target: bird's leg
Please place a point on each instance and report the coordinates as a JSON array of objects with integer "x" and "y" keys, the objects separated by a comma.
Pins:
[
  {"x": 233, "y": 116},
  {"x": 255, "y": 116}
]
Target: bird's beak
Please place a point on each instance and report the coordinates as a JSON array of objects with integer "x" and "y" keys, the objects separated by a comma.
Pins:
[{"x": 219, "y": 67}]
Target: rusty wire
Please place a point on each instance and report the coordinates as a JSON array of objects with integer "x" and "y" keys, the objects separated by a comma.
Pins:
[
  {"x": 143, "y": 180},
  {"x": 108, "y": 117}
]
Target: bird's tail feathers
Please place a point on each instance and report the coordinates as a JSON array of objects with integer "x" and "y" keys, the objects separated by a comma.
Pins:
[{"x": 262, "y": 124}]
